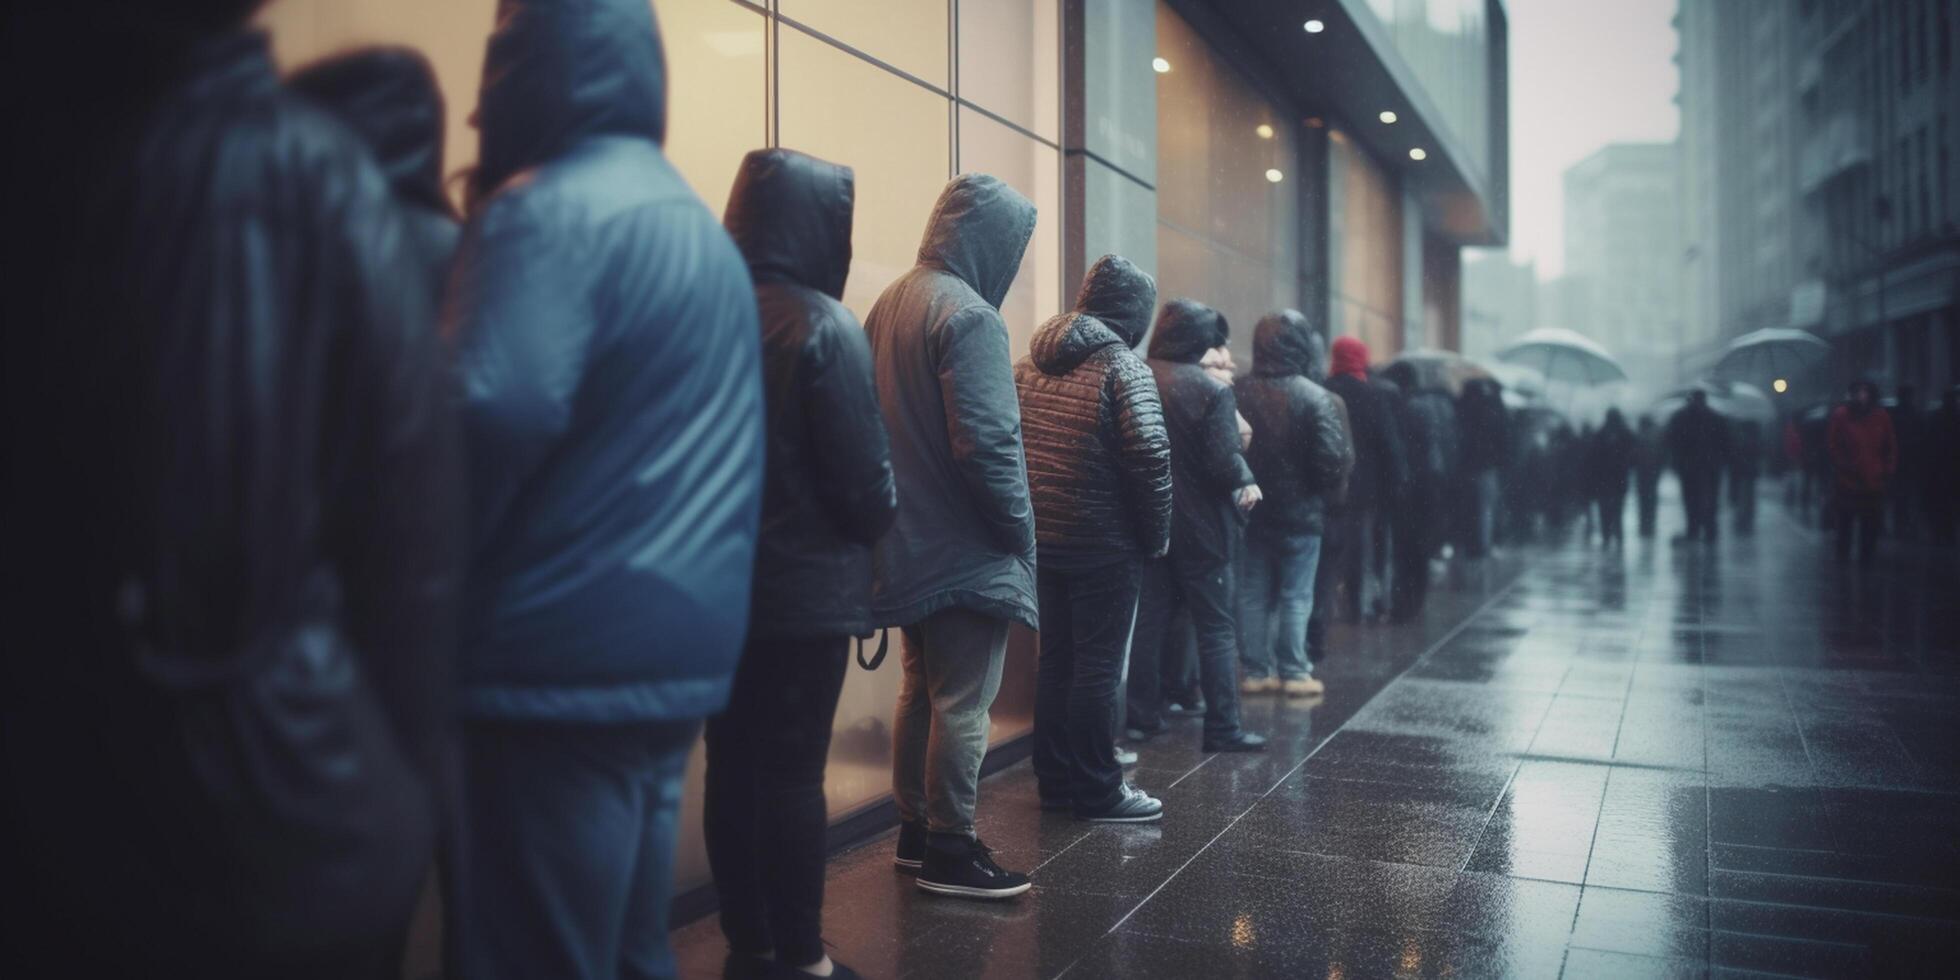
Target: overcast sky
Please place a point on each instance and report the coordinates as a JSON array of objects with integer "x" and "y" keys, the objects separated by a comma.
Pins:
[{"x": 1584, "y": 73}]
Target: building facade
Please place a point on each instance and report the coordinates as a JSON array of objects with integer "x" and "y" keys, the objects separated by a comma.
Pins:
[
  {"x": 1243, "y": 152},
  {"x": 1623, "y": 272},
  {"x": 1501, "y": 300}
]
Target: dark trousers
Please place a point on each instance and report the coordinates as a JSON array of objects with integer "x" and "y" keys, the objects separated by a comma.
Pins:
[
  {"x": 1087, "y": 615},
  {"x": 1649, "y": 493},
  {"x": 1201, "y": 585},
  {"x": 569, "y": 841},
  {"x": 1612, "y": 516},
  {"x": 1336, "y": 542},
  {"x": 765, "y": 816},
  {"x": 1351, "y": 568},
  {"x": 1700, "y": 499},
  {"x": 1415, "y": 543},
  {"x": 1864, "y": 515}
]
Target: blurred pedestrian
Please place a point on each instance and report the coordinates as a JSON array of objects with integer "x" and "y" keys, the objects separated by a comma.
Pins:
[
  {"x": 1610, "y": 458},
  {"x": 1698, "y": 448},
  {"x": 1745, "y": 467},
  {"x": 611, "y": 359},
  {"x": 958, "y": 568},
  {"x": 1301, "y": 455},
  {"x": 1099, "y": 473},
  {"x": 1429, "y": 434},
  {"x": 1356, "y": 566},
  {"x": 1649, "y": 459},
  {"x": 1211, "y": 490},
  {"x": 1485, "y": 439},
  {"x": 234, "y": 500},
  {"x": 1864, "y": 458},
  {"x": 827, "y": 497}
]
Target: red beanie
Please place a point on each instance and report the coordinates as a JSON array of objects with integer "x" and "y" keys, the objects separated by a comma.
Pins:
[{"x": 1350, "y": 357}]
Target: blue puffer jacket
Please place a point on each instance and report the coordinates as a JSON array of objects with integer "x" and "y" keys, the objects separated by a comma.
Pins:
[{"x": 609, "y": 351}]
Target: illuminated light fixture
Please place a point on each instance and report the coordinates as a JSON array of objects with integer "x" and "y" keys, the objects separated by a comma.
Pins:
[
  {"x": 1265, "y": 132},
  {"x": 1388, "y": 116},
  {"x": 1275, "y": 176},
  {"x": 1314, "y": 26},
  {"x": 1418, "y": 153},
  {"x": 1780, "y": 386},
  {"x": 1160, "y": 65}
]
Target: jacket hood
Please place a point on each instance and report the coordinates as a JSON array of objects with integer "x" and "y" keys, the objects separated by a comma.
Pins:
[
  {"x": 977, "y": 232},
  {"x": 790, "y": 214},
  {"x": 1120, "y": 295},
  {"x": 1064, "y": 342},
  {"x": 558, "y": 71},
  {"x": 1350, "y": 358},
  {"x": 1284, "y": 344},
  {"x": 1186, "y": 329},
  {"x": 389, "y": 97}
]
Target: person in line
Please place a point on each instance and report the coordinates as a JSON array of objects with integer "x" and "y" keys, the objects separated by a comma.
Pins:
[
  {"x": 957, "y": 569},
  {"x": 1358, "y": 527},
  {"x": 827, "y": 497},
  {"x": 1429, "y": 431},
  {"x": 1485, "y": 440},
  {"x": 234, "y": 471},
  {"x": 610, "y": 355},
  {"x": 1649, "y": 459},
  {"x": 1745, "y": 466},
  {"x": 1609, "y": 460},
  {"x": 1698, "y": 447},
  {"x": 1301, "y": 455},
  {"x": 389, "y": 97},
  {"x": 1211, "y": 489},
  {"x": 1864, "y": 458},
  {"x": 1099, "y": 472}
]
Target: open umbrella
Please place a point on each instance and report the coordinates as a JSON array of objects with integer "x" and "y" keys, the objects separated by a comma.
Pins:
[
  {"x": 1771, "y": 353},
  {"x": 1427, "y": 369},
  {"x": 1561, "y": 355}
]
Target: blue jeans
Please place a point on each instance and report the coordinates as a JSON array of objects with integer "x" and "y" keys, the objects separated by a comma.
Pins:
[
  {"x": 568, "y": 847},
  {"x": 1275, "y": 602}
]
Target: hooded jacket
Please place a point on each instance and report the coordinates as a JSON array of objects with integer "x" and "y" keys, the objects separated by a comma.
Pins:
[
  {"x": 827, "y": 486},
  {"x": 1301, "y": 448},
  {"x": 1099, "y": 460},
  {"x": 1483, "y": 426},
  {"x": 1381, "y": 464},
  {"x": 1864, "y": 449},
  {"x": 610, "y": 353},
  {"x": 1207, "y": 459},
  {"x": 388, "y": 96},
  {"x": 965, "y": 531}
]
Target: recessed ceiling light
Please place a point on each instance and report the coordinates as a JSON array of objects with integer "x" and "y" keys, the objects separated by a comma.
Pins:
[
  {"x": 1315, "y": 26},
  {"x": 1418, "y": 153},
  {"x": 1160, "y": 64},
  {"x": 1389, "y": 116},
  {"x": 1275, "y": 176},
  {"x": 1265, "y": 132}
]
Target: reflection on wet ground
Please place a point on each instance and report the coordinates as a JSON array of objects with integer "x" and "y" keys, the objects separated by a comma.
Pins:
[{"x": 1676, "y": 761}]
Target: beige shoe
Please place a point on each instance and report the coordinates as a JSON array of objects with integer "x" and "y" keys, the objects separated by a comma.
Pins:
[
  {"x": 1304, "y": 687},
  {"x": 1259, "y": 685}
]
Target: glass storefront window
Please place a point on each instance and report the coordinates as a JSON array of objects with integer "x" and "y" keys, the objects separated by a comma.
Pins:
[
  {"x": 1010, "y": 62},
  {"x": 1033, "y": 168},
  {"x": 716, "y": 103},
  {"x": 910, "y": 35},
  {"x": 1366, "y": 249}
]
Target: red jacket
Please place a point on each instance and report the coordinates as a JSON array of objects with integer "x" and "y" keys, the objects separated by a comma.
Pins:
[{"x": 1864, "y": 452}]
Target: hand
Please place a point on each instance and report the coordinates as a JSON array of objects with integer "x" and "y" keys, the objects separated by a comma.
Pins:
[{"x": 1247, "y": 498}]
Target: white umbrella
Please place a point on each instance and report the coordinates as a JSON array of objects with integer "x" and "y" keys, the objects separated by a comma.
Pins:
[
  {"x": 1770, "y": 353},
  {"x": 1564, "y": 356}
]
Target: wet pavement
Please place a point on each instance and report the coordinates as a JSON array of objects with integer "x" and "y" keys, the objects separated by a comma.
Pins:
[{"x": 1676, "y": 761}]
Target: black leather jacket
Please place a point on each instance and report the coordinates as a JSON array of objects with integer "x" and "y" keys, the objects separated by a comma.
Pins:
[
  {"x": 1099, "y": 459},
  {"x": 1301, "y": 450},
  {"x": 1207, "y": 466},
  {"x": 827, "y": 484}
]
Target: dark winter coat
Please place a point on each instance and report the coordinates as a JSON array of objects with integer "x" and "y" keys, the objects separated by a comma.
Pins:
[
  {"x": 1381, "y": 464},
  {"x": 1099, "y": 461},
  {"x": 1485, "y": 437},
  {"x": 235, "y": 506},
  {"x": 1431, "y": 436},
  {"x": 827, "y": 486},
  {"x": 389, "y": 97},
  {"x": 611, "y": 357},
  {"x": 1609, "y": 461},
  {"x": 1207, "y": 460},
  {"x": 965, "y": 531},
  {"x": 1697, "y": 441},
  {"x": 1302, "y": 451}
]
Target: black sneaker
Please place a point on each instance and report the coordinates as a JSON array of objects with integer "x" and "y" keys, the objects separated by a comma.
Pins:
[
  {"x": 1134, "y": 806},
  {"x": 1178, "y": 709},
  {"x": 1242, "y": 742},
  {"x": 963, "y": 868},
  {"x": 911, "y": 845}
]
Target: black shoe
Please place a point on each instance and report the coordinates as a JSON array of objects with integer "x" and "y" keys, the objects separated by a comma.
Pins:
[
  {"x": 1178, "y": 709},
  {"x": 1134, "y": 806},
  {"x": 911, "y": 845},
  {"x": 1144, "y": 733},
  {"x": 963, "y": 868},
  {"x": 1242, "y": 742}
]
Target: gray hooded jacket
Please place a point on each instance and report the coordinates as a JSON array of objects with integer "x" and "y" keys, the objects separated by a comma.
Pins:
[
  {"x": 1301, "y": 450},
  {"x": 965, "y": 531}
]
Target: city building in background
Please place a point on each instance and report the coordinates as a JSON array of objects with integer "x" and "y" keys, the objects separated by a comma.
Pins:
[
  {"x": 1501, "y": 300},
  {"x": 1818, "y": 177},
  {"x": 1622, "y": 282}
]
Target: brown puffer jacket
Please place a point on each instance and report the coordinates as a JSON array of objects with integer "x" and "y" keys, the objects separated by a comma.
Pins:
[{"x": 1099, "y": 465}]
